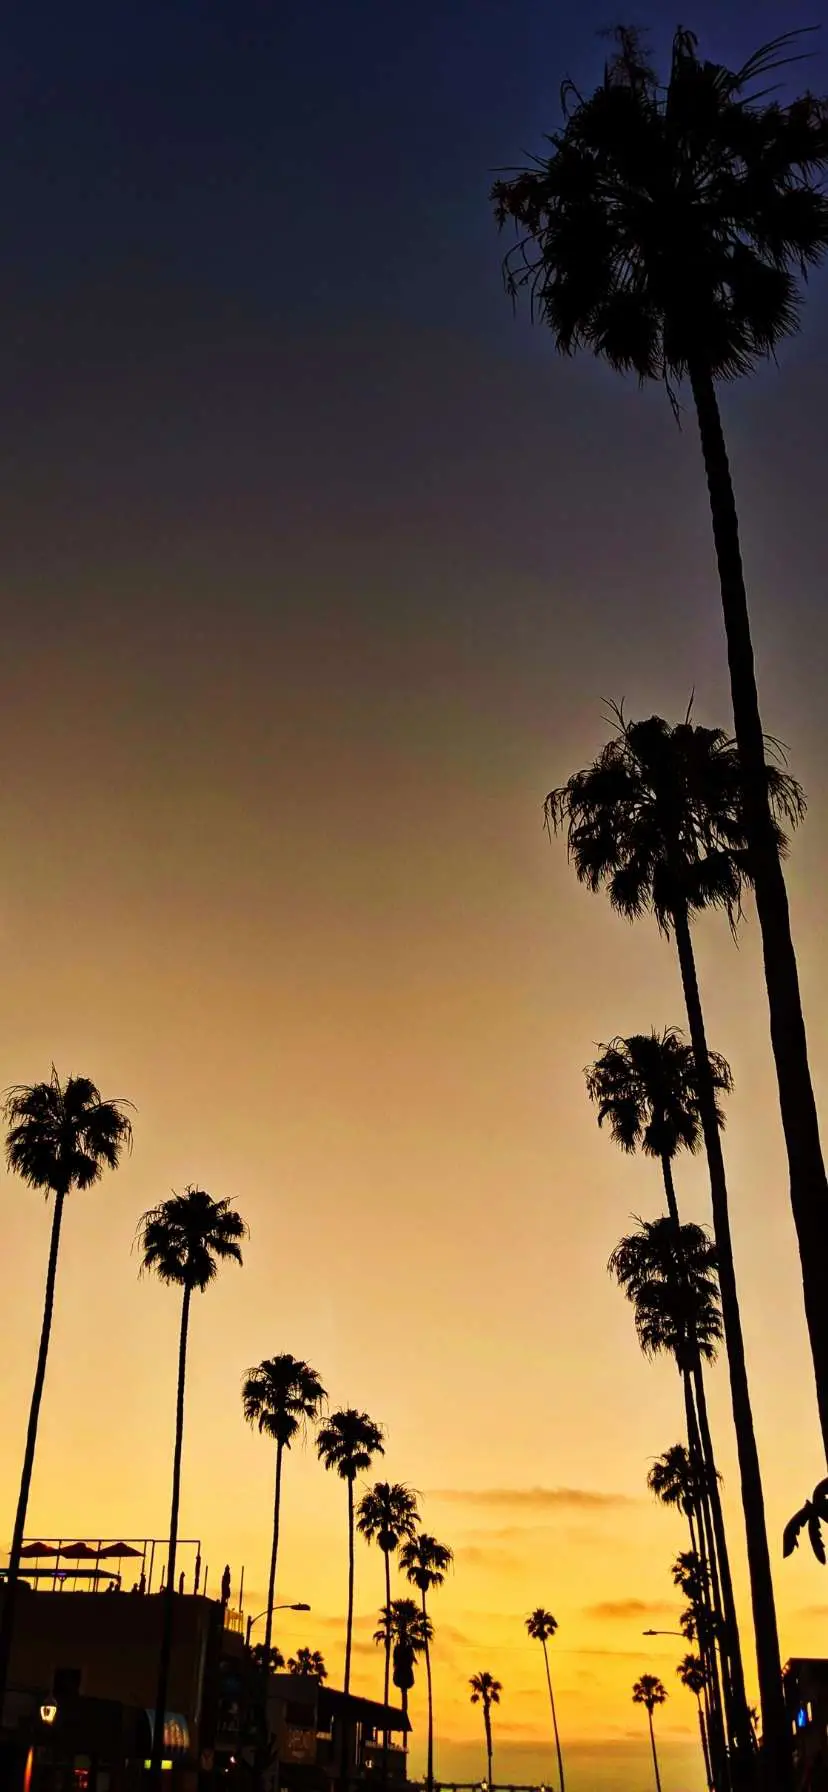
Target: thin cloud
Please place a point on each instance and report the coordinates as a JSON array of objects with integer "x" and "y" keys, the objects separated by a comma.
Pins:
[
  {"x": 472, "y": 1556},
  {"x": 629, "y": 1608},
  {"x": 532, "y": 1498}
]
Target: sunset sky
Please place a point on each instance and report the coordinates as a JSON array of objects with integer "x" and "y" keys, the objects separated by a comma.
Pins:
[{"x": 317, "y": 571}]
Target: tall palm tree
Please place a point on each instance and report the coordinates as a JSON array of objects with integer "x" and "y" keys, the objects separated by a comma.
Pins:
[
  {"x": 486, "y": 1691},
  {"x": 674, "y": 1482},
  {"x": 541, "y": 1626},
  {"x": 183, "y": 1240},
  {"x": 426, "y": 1564},
  {"x": 279, "y": 1396},
  {"x": 386, "y": 1514},
  {"x": 347, "y": 1443},
  {"x": 409, "y": 1632},
  {"x": 649, "y": 1692},
  {"x": 647, "y": 1087},
  {"x": 665, "y": 229},
  {"x": 309, "y": 1662},
  {"x": 692, "y": 1674},
  {"x": 61, "y": 1136},
  {"x": 659, "y": 820}
]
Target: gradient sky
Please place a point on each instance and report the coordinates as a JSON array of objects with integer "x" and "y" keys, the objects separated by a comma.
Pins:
[{"x": 316, "y": 569}]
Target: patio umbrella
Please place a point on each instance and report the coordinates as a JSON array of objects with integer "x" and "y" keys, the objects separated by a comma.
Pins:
[
  {"x": 33, "y": 1550},
  {"x": 118, "y": 1550}
]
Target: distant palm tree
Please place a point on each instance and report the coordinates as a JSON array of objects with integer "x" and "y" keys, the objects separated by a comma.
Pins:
[
  {"x": 647, "y": 1087},
  {"x": 665, "y": 229},
  {"x": 268, "y": 1658},
  {"x": 403, "y": 1625},
  {"x": 486, "y": 1691},
  {"x": 649, "y": 1692},
  {"x": 309, "y": 1662},
  {"x": 674, "y": 1482},
  {"x": 61, "y": 1136},
  {"x": 426, "y": 1564},
  {"x": 659, "y": 820},
  {"x": 347, "y": 1443},
  {"x": 183, "y": 1241},
  {"x": 541, "y": 1627},
  {"x": 279, "y": 1396},
  {"x": 692, "y": 1674},
  {"x": 386, "y": 1514}
]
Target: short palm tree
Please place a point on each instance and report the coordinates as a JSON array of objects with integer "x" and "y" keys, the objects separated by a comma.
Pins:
[
  {"x": 279, "y": 1396},
  {"x": 486, "y": 1691},
  {"x": 403, "y": 1625},
  {"x": 183, "y": 1241},
  {"x": 646, "y": 1086},
  {"x": 659, "y": 820},
  {"x": 426, "y": 1563},
  {"x": 692, "y": 1674},
  {"x": 649, "y": 1692},
  {"x": 61, "y": 1136},
  {"x": 309, "y": 1662},
  {"x": 541, "y": 1627},
  {"x": 267, "y": 1657},
  {"x": 347, "y": 1444},
  {"x": 665, "y": 229},
  {"x": 386, "y": 1514}
]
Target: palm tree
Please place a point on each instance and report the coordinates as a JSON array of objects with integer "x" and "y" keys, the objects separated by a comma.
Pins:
[
  {"x": 648, "y": 1089},
  {"x": 486, "y": 1691},
  {"x": 674, "y": 1482},
  {"x": 649, "y": 1692},
  {"x": 309, "y": 1662},
  {"x": 279, "y": 1396},
  {"x": 692, "y": 1674},
  {"x": 61, "y": 1136},
  {"x": 386, "y": 1514},
  {"x": 426, "y": 1564},
  {"x": 541, "y": 1626},
  {"x": 409, "y": 1632},
  {"x": 183, "y": 1240},
  {"x": 348, "y": 1443},
  {"x": 268, "y": 1658},
  {"x": 664, "y": 230},
  {"x": 659, "y": 820}
]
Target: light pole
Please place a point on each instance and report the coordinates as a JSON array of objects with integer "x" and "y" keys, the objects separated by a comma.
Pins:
[
  {"x": 663, "y": 1633},
  {"x": 300, "y": 1607}
]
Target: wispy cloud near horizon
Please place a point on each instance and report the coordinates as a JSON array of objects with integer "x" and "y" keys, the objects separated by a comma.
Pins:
[
  {"x": 629, "y": 1608},
  {"x": 533, "y": 1498}
]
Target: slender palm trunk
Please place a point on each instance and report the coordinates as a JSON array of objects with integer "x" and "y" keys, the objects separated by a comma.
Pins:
[
  {"x": 169, "y": 1587},
  {"x": 723, "y": 1559},
  {"x": 430, "y": 1751},
  {"x": 719, "y": 1683},
  {"x": 386, "y": 1687},
  {"x": 808, "y": 1185},
  {"x": 13, "y": 1571},
  {"x": 274, "y": 1551},
  {"x": 554, "y": 1718},
  {"x": 487, "y": 1721},
  {"x": 349, "y": 1632},
  {"x": 705, "y": 1750},
  {"x": 670, "y": 1188},
  {"x": 653, "y": 1747},
  {"x": 774, "y": 1721}
]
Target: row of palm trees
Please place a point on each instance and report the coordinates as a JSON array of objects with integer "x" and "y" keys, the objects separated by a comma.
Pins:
[{"x": 665, "y": 227}]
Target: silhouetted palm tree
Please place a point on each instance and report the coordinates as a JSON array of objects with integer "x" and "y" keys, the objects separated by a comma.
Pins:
[
  {"x": 659, "y": 820},
  {"x": 486, "y": 1691},
  {"x": 674, "y": 1483},
  {"x": 183, "y": 1241},
  {"x": 691, "y": 1672},
  {"x": 267, "y": 1657},
  {"x": 426, "y": 1563},
  {"x": 61, "y": 1136},
  {"x": 402, "y": 1622},
  {"x": 386, "y": 1514},
  {"x": 347, "y": 1443},
  {"x": 647, "y": 1088},
  {"x": 811, "y": 1517},
  {"x": 649, "y": 1692},
  {"x": 541, "y": 1626},
  {"x": 310, "y": 1662},
  {"x": 279, "y": 1396},
  {"x": 664, "y": 229}
]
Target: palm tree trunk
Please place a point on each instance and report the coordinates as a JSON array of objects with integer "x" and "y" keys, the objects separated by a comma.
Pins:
[
  {"x": 349, "y": 1631},
  {"x": 430, "y": 1752},
  {"x": 554, "y": 1717},
  {"x": 723, "y": 1558},
  {"x": 808, "y": 1185},
  {"x": 169, "y": 1588},
  {"x": 487, "y": 1721},
  {"x": 720, "y": 1686},
  {"x": 271, "y": 1585},
  {"x": 669, "y": 1188},
  {"x": 386, "y": 1688},
  {"x": 13, "y": 1571},
  {"x": 705, "y": 1750},
  {"x": 653, "y": 1747},
  {"x": 774, "y": 1721}
]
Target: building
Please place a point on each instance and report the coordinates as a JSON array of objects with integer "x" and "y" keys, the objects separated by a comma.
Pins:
[
  {"x": 806, "y": 1699},
  {"x": 313, "y": 1733}
]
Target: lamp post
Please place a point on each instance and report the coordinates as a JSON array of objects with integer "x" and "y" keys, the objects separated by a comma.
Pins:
[
  {"x": 663, "y": 1633},
  {"x": 299, "y": 1607}
]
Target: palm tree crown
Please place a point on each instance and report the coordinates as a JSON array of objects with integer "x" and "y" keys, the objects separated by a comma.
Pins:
[
  {"x": 386, "y": 1514},
  {"x": 669, "y": 221},
  {"x": 659, "y": 818},
  {"x": 63, "y": 1135},
  {"x": 310, "y": 1662},
  {"x": 425, "y": 1561},
  {"x": 348, "y": 1442},
  {"x": 649, "y": 1691},
  {"x": 669, "y": 1273},
  {"x": 280, "y": 1395},
  {"x": 673, "y": 1481},
  {"x": 485, "y": 1689},
  {"x": 647, "y": 1088},
  {"x": 403, "y": 1624},
  {"x": 541, "y": 1625},
  {"x": 186, "y": 1237},
  {"x": 692, "y": 1674}
]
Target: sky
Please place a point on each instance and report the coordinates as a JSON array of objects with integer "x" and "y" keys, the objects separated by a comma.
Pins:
[{"x": 318, "y": 570}]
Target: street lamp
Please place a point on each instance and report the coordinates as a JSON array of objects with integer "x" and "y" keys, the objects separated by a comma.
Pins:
[
  {"x": 663, "y": 1633},
  {"x": 300, "y": 1607}
]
